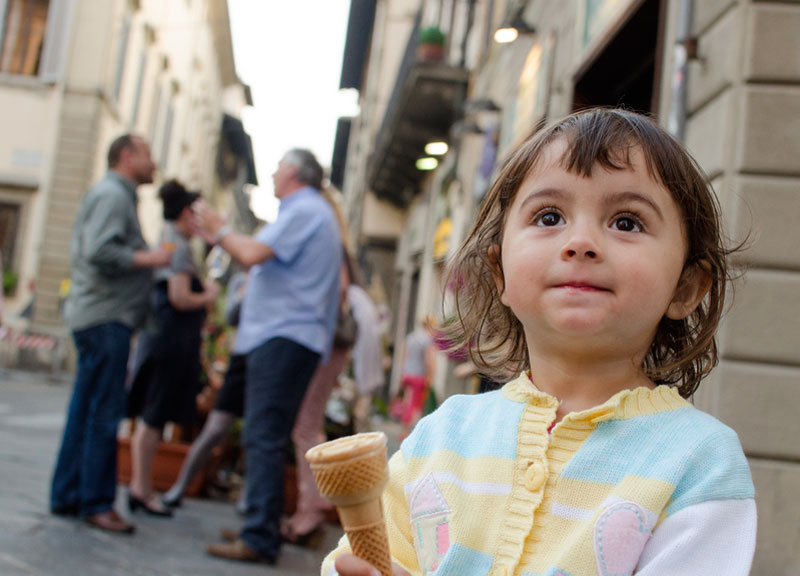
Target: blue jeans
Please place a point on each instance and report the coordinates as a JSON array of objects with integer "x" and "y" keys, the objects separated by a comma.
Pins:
[
  {"x": 85, "y": 478},
  {"x": 278, "y": 373}
]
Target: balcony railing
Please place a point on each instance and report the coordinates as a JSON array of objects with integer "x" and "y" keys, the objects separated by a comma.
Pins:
[{"x": 426, "y": 101}]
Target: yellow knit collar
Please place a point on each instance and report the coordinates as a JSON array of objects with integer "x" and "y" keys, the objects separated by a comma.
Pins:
[{"x": 622, "y": 405}]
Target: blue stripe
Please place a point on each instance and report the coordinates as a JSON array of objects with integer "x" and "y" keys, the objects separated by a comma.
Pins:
[
  {"x": 550, "y": 572},
  {"x": 721, "y": 472},
  {"x": 471, "y": 426},
  {"x": 462, "y": 560},
  {"x": 687, "y": 448}
]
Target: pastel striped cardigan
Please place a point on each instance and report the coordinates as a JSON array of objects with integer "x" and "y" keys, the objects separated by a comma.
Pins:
[{"x": 644, "y": 484}]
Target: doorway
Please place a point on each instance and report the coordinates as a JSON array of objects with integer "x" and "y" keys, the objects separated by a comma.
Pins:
[{"x": 627, "y": 71}]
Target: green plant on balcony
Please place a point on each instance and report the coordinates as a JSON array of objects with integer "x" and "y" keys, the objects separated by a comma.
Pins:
[
  {"x": 431, "y": 44},
  {"x": 9, "y": 281}
]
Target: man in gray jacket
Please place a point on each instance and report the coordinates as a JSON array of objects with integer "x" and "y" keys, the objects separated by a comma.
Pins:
[{"x": 110, "y": 285}]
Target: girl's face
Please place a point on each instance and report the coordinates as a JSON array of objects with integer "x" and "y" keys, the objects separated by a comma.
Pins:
[{"x": 591, "y": 265}]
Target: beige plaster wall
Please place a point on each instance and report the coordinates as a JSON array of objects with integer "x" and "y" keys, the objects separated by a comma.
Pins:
[{"x": 27, "y": 114}]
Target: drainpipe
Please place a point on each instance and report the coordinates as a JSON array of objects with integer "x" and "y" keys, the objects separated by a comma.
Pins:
[
  {"x": 470, "y": 21},
  {"x": 685, "y": 49}
]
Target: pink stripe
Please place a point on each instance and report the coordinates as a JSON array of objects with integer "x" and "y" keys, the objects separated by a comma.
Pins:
[{"x": 443, "y": 538}]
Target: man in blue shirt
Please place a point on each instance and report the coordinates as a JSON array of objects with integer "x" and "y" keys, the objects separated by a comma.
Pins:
[{"x": 286, "y": 326}]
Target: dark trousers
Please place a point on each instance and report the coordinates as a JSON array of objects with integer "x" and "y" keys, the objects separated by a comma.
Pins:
[
  {"x": 85, "y": 476},
  {"x": 278, "y": 373}
]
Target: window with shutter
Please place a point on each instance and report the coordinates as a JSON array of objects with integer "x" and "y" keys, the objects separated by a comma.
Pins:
[{"x": 22, "y": 37}]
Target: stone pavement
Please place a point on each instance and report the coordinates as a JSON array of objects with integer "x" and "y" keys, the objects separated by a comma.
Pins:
[{"x": 34, "y": 543}]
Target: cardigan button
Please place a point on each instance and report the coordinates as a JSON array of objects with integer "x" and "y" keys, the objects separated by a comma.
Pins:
[{"x": 534, "y": 476}]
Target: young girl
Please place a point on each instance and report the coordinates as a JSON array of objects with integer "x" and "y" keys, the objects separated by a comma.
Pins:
[{"x": 596, "y": 272}]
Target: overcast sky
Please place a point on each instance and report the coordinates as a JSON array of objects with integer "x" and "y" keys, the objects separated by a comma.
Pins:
[{"x": 290, "y": 53}]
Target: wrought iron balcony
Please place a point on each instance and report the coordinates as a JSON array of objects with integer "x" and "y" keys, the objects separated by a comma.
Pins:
[{"x": 426, "y": 101}]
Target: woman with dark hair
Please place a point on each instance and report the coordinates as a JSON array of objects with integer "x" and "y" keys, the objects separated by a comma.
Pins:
[{"x": 167, "y": 364}]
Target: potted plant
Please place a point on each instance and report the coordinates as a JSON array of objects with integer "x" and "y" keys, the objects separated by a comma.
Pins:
[
  {"x": 431, "y": 44},
  {"x": 9, "y": 281}
]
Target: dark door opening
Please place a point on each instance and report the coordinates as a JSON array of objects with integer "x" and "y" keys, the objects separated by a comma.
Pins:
[{"x": 627, "y": 71}]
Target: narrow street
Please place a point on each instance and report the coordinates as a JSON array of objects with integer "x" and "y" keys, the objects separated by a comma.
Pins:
[{"x": 34, "y": 543}]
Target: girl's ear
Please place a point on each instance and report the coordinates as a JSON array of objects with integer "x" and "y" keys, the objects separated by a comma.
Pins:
[
  {"x": 693, "y": 286},
  {"x": 497, "y": 271}
]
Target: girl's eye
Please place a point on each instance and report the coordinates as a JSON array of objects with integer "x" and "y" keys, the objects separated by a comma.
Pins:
[
  {"x": 627, "y": 224},
  {"x": 548, "y": 219}
]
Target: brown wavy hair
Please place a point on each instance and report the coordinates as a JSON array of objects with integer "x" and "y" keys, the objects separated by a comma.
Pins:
[{"x": 684, "y": 351}]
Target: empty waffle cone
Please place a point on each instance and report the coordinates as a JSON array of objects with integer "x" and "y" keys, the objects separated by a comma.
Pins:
[{"x": 351, "y": 472}]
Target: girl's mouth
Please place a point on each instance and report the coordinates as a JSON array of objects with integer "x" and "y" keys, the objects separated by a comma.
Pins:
[{"x": 582, "y": 287}]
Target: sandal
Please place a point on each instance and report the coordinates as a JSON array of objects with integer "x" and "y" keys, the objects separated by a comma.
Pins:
[{"x": 310, "y": 539}]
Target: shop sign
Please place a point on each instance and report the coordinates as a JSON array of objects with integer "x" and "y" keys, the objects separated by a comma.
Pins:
[
  {"x": 486, "y": 167},
  {"x": 441, "y": 238},
  {"x": 416, "y": 229}
]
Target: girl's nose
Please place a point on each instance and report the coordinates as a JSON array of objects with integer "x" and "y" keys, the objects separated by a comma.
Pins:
[{"x": 582, "y": 245}]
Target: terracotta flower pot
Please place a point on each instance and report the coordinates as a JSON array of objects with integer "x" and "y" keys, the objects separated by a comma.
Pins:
[
  {"x": 430, "y": 52},
  {"x": 166, "y": 466}
]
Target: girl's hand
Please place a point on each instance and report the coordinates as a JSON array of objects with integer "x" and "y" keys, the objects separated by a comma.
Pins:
[{"x": 351, "y": 565}]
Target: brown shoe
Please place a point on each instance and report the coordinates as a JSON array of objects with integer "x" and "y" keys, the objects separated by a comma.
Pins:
[
  {"x": 110, "y": 521},
  {"x": 228, "y": 535},
  {"x": 237, "y": 550}
]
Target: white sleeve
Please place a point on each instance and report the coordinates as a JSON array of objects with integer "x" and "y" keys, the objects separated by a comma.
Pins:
[{"x": 715, "y": 537}]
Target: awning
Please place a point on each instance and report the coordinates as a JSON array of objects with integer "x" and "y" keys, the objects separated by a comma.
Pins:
[
  {"x": 340, "y": 143},
  {"x": 240, "y": 145},
  {"x": 356, "y": 47}
]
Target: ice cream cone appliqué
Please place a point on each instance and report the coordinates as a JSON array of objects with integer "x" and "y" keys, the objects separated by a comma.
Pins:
[{"x": 430, "y": 523}]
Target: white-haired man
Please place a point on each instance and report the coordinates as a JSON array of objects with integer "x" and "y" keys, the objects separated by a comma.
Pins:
[{"x": 286, "y": 326}]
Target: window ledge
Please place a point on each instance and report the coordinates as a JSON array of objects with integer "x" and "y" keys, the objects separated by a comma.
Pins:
[
  {"x": 19, "y": 181},
  {"x": 22, "y": 81}
]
